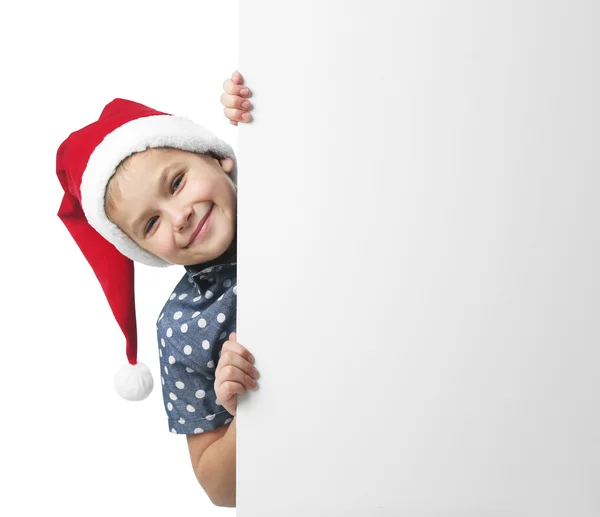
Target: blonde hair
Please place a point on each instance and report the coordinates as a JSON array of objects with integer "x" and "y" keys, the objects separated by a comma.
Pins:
[{"x": 112, "y": 193}]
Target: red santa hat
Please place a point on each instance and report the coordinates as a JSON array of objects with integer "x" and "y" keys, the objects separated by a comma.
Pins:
[{"x": 85, "y": 162}]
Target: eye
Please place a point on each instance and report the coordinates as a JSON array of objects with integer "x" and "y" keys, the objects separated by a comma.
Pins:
[
  {"x": 150, "y": 225},
  {"x": 177, "y": 182}
]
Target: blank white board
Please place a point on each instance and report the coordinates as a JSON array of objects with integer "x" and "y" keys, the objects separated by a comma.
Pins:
[{"x": 418, "y": 259}]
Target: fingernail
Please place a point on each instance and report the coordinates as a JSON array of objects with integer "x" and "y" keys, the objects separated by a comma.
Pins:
[
  {"x": 246, "y": 116},
  {"x": 251, "y": 357},
  {"x": 246, "y": 104},
  {"x": 244, "y": 91}
]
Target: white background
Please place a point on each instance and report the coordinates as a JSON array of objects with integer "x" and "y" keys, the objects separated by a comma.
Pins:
[
  {"x": 426, "y": 222},
  {"x": 69, "y": 445}
]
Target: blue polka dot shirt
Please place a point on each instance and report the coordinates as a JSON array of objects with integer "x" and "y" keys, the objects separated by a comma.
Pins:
[{"x": 192, "y": 328}]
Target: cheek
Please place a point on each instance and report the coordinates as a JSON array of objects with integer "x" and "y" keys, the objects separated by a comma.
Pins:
[
  {"x": 199, "y": 191},
  {"x": 163, "y": 244}
]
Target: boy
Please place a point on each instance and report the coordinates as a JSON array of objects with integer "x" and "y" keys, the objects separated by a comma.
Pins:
[{"x": 142, "y": 185}]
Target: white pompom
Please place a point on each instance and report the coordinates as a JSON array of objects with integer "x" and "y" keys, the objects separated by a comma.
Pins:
[{"x": 134, "y": 382}]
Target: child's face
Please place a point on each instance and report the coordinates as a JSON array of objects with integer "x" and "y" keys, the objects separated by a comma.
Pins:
[{"x": 162, "y": 214}]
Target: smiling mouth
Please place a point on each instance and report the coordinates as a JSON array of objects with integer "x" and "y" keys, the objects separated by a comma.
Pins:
[{"x": 200, "y": 226}]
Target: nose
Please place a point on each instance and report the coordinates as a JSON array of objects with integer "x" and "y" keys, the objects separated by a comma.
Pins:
[{"x": 179, "y": 215}]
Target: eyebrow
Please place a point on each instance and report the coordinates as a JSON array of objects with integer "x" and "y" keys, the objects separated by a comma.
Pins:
[{"x": 163, "y": 176}]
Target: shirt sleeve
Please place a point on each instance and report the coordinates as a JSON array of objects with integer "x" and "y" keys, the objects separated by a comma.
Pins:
[{"x": 190, "y": 339}]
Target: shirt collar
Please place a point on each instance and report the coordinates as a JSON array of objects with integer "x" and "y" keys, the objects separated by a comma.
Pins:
[{"x": 229, "y": 257}]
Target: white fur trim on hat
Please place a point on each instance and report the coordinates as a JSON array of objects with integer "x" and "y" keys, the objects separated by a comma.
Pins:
[{"x": 133, "y": 137}]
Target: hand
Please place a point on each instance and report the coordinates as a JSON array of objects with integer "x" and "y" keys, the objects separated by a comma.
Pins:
[
  {"x": 234, "y": 374},
  {"x": 235, "y": 101}
]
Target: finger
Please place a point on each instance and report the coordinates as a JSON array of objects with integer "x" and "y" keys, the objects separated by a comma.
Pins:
[
  {"x": 235, "y": 89},
  {"x": 233, "y": 360},
  {"x": 230, "y": 373},
  {"x": 239, "y": 115},
  {"x": 235, "y": 101},
  {"x": 231, "y": 345},
  {"x": 230, "y": 389},
  {"x": 233, "y": 338}
]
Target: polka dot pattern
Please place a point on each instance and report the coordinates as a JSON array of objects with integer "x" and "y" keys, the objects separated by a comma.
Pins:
[{"x": 197, "y": 319}]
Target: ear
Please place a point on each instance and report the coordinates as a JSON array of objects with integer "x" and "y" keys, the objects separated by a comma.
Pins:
[{"x": 226, "y": 164}]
